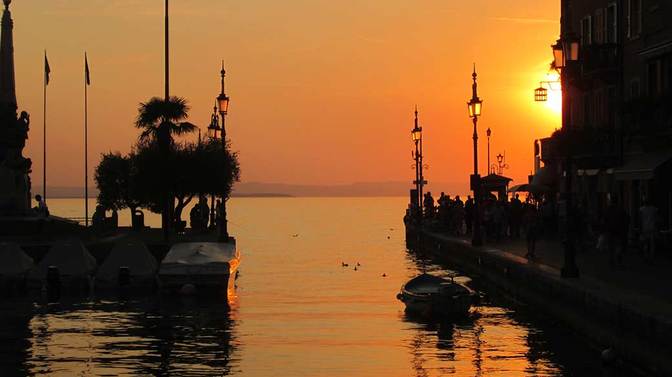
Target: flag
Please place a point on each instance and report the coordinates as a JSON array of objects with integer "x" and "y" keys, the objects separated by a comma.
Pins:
[
  {"x": 87, "y": 74},
  {"x": 47, "y": 70}
]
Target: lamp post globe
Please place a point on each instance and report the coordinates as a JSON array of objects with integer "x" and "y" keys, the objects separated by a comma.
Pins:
[
  {"x": 416, "y": 134},
  {"x": 214, "y": 124}
]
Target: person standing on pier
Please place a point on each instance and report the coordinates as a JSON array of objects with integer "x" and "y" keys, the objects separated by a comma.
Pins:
[
  {"x": 469, "y": 213},
  {"x": 648, "y": 215}
]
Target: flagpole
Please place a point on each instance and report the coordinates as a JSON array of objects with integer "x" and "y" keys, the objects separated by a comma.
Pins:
[
  {"x": 167, "y": 57},
  {"x": 86, "y": 142},
  {"x": 44, "y": 141}
]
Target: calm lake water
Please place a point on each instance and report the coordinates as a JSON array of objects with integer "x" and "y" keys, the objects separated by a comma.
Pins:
[{"x": 297, "y": 311}]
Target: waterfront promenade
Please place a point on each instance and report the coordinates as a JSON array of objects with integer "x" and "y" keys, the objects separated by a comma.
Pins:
[
  {"x": 627, "y": 308},
  {"x": 649, "y": 281}
]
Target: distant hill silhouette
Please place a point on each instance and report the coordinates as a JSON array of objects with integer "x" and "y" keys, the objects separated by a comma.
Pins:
[
  {"x": 353, "y": 189},
  {"x": 265, "y": 189}
]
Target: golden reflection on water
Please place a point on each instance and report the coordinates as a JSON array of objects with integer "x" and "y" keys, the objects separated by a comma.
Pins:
[{"x": 296, "y": 311}]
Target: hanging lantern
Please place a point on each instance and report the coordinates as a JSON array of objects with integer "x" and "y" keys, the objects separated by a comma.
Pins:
[{"x": 541, "y": 94}]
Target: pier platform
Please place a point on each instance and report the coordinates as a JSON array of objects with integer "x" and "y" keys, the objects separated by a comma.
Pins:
[{"x": 626, "y": 308}]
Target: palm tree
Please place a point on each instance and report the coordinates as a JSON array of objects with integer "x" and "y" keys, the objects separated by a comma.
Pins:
[{"x": 161, "y": 119}]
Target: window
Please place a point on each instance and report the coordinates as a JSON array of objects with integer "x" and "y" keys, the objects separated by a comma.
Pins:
[
  {"x": 655, "y": 78},
  {"x": 586, "y": 31},
  {"x": 599, "y": 26},
  {"x": 659, "y": 75},
  {"x": 611, "y": 24},
  {"x": 634, "y": 18}
]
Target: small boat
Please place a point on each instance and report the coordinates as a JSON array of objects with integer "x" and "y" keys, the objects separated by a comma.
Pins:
[
  {"x": 68, "y": 265},
  {"x": 429, "y": 295},
  {"x": 14, "y": 268},
  {"x": 190, "y": 267}
]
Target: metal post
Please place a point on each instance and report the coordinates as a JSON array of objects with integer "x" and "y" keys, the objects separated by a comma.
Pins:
[
  {"x": 44, "y": 140},
  {"x": 223, "y": 223},
  {"x": 476, "y": 236},
  {"x": 488, "y": 151},
  {"x": 86, "y": 149},
  {"x": 167, "y": 55}
]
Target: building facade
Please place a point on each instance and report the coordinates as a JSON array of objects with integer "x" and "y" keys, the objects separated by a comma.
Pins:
[{"x": 617, "y": 121}]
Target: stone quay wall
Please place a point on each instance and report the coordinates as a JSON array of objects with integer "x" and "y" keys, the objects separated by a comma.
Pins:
[{"x": 636, "y": 335}]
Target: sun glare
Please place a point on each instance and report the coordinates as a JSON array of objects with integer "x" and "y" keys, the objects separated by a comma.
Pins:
[{"x": 554, "y": 102}]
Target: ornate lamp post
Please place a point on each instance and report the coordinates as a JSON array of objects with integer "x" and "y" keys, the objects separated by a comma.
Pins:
[
  {"x": 223, "y": 104},
  {"x": 565, "y": 57},
  {"x": 416, "y": 135},
  {"x": 212, "y": 134},
  {"x": 475, "y": 104}
]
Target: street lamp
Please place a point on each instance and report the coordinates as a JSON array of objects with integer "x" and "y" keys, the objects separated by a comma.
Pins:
[
  {"x": 565, "y": 50},
  {"x": 214, "y": 124},
  {"x": 416, "y": 135},
  {"x": 475, "y": 105},
  {"x": 223, "y": 104}
]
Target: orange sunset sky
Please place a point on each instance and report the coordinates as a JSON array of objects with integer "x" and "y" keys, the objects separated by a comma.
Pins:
[{"x": 322, "y": 92}]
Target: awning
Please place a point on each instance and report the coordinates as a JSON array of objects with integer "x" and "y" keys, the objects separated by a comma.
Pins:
[
  {"x": 531, "y": 188},
  {"x": 544, "y": 177},
  {"x": 587, "y": 172},
  {"x": 643, "y": 166}
]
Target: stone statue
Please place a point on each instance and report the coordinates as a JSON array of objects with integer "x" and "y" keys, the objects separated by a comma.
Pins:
[{"x": 14, "y": 167}]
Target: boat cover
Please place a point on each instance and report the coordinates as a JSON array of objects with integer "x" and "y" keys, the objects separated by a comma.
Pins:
[
  {"x": 71, "y": 257},
  {"x": 13, "y": 261},
  {"x": 200, "y": 253},
  {"x": 128, "y": 253}
]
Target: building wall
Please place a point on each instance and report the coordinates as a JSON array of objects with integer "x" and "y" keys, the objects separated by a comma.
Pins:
[{"x": 619, "y": 98}]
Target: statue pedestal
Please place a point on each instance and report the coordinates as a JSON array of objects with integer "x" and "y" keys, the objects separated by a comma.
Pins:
[{"x": 14, "y": 192}]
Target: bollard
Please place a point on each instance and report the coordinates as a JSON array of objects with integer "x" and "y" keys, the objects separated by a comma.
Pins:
[{"x": 124, "y": 277}]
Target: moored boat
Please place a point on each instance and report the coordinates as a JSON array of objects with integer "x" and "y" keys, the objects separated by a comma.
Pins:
[
  {"x": 430, "y": 295},
  {"x": 199, "y": 266},
  {"x": 129, "y": 265},
  {"x": 14, "y": 267},
  {"x": 68, "y": 265}
]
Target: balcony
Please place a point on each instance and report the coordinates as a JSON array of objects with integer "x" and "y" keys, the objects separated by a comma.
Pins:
[
  {"x": 589, "y": 147},
  {"x": 601, "y": 61}
]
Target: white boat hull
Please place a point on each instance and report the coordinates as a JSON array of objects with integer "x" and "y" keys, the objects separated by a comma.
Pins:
[{"x": 200, "y": 267}]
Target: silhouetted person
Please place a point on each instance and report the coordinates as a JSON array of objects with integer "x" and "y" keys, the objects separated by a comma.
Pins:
[
  {"x": 469, "y": 213},
  {"x": 41, "y": 209},
  {"x": 429, "y": 205},
  {"x": 516, "y": 216},
  {"x": 533, "y": 228},
  {"x": 617, "y": 223},
  {"x": 195, "y": 218},
  {"x": 648, "y": 218},
  {"x": 204, "y": 211},
  {"x": 219, "y": 211},
  {"x": 98, "y": 218},
  {"x": 114, "y": 219}
]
